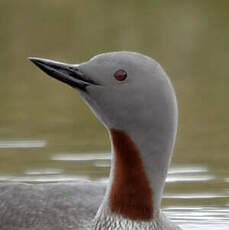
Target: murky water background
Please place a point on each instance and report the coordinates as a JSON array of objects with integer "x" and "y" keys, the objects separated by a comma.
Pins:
[{"x": 48, "y": 134}]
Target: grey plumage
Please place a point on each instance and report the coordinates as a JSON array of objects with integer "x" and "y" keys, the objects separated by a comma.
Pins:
[{"x": 58, "y": 206}]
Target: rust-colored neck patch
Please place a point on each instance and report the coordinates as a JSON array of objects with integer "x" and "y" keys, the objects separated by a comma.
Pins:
[{"x": 130, "y": 195}]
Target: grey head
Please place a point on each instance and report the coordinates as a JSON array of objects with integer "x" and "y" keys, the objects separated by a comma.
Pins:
[
  {"x": 131, "y": 92},
  {"x": 119, "y": 101}
]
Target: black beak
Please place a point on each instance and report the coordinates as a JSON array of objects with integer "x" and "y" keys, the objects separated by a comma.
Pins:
[{"x": 69, "y": 74}]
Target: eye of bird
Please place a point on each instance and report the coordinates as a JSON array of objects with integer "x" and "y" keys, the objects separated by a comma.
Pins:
[{"x": 120, "y": 75}]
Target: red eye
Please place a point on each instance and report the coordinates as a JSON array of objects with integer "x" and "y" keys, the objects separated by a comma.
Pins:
[{"x": 120, "y": 75}]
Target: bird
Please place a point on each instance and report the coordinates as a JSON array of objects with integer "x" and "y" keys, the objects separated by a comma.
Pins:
[{"x": 132, "y": 96}]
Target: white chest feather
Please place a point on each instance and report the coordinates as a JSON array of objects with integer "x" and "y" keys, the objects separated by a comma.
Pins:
[{"x": 116, "y": 222}]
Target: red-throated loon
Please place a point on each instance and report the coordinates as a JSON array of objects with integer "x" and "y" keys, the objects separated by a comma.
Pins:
[{"x": 133, "y": 97}]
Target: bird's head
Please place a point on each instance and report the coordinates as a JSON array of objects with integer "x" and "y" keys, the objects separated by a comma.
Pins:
[{"x": 124, "y": 89}]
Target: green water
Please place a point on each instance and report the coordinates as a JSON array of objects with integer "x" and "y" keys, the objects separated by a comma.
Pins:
[{"x": 189, "y": 38}]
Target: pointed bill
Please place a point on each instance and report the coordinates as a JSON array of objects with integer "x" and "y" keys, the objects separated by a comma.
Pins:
[{"x": 67, "y": 73}]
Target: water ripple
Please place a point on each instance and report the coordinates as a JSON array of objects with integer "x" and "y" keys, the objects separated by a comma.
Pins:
[
  {"x": 42, "y": 179},
  {"x": 201, "y": 218},
  {"x": 189, "y": 178},
  {"x": 22, "y": 144},
  {"x": 43, "y": 171},
  {"x": 193, "y": 196},
  {"x": 188, "y": 169},
  {"x": 81, "y": 157}
]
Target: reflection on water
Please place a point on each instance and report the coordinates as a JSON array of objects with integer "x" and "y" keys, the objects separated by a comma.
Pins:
[
  {"x": 41, "y": 178},
  {"x": 195, "y": 196},
  {"x": 188, "y": 170},
  {"x": 189, "y": 173},
  {"x": 22, "y": 144},
  {"x": 43, "y": 172},
  {"x": 81, "y": 157},
  {"x": 183, "y": 178},
  {"x": 201, "y": 218}
]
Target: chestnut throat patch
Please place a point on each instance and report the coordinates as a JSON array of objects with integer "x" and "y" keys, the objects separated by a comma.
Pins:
[{"x": 131, "y": 195}]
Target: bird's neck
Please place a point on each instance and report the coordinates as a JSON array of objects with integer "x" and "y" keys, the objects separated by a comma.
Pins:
[
  {"x": 130, "y": 193},
  {"x": 137, "y": 178}
]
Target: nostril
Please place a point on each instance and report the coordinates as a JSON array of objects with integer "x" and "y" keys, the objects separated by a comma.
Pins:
[{"x": 72, "y": 68}]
